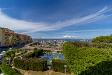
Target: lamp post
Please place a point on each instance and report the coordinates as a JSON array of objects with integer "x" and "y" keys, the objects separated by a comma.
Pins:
[
  {"x": 65, "y": 66},
  {"x": 49, "y": 67},
  {"x": 50, "y": 63}
]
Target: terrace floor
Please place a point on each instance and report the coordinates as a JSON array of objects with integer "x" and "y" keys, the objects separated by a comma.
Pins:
[{"x": 49, "y": 72}]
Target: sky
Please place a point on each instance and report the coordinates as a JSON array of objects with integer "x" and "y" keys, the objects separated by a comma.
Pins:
[{"x": 78, "y": 19}]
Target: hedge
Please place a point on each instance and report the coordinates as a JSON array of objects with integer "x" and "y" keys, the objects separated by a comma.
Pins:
[
  {"x": 8, "y": 70},
  {"x": 35, "y": 53},
  {"x": 58, "y": 65},
  {"x": 35, "y": 64},
  {"x": 102, "y": 68}
]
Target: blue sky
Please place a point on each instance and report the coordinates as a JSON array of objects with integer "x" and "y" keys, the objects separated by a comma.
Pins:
[{"x": 57, "y": 18}]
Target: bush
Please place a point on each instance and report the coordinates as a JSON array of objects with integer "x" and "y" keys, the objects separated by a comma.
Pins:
[
  {"x": 31, "y": 64},
  {"x": 81, "y": 58},
  {"x": 90, "y": 45},
  {"x": 101, "y": 45},
  {"x": 103, "y": 39},
  {"x": 58, "y": 65},
  {"x": 10, "y": 54},
  {"x": 102, "y": 68},
  {"x": 7, "y": 70},
  {"x": 77, "y": 44},
  {"x": 35, "y": 53}
]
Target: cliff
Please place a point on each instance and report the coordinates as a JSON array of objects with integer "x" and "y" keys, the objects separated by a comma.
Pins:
[{"x": 9, "y": 37}]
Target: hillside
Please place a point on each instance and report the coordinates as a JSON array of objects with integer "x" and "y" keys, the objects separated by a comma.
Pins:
[{"x": 88, "y": 58}]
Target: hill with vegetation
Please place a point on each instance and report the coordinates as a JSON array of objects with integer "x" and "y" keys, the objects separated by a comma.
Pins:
[
  {"x": 93, "y": 58},
  {"x": 103, "y": 39}
]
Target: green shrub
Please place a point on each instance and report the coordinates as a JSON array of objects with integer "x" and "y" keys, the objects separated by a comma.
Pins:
[
  {"x": 35, "y": 53},
  {"x": 8, "y": 70},
  {"x": 102, "y": 68},
  {"x": 58, "y": 65},
  {"x": 31, "y": 64},
  {"x": 103, "y": 39},
  {"x": 81, "y": 58},
  {"x": 10, "y": 54},
  {"x": 101, "y": 45}
]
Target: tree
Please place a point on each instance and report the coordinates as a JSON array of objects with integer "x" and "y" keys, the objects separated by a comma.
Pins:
[
  {"x": 102, "y": 39},
  {"x": 9, "y": 55},
  {"x": 8, "y": 70}
]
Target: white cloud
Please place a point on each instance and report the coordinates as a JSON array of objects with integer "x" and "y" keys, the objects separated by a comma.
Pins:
[
  {"x": 30, "y": 27},
  {"x": 6, "y": 21},
  {"x": 70, "y": 36},
  {"x": 90, "y": 30},
  {"x": 86, "y": 19}
]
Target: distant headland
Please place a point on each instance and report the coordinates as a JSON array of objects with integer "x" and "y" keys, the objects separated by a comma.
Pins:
[{"x": 10, "y": 38}]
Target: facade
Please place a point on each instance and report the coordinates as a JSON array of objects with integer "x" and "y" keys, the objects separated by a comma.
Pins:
[{"x": 10, "y": 38}]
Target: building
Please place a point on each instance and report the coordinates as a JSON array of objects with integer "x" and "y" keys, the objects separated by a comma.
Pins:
[{"x": 9, "y": 38}]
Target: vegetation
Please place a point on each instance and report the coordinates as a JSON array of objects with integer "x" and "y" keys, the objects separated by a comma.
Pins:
[
  {"x": 31, "y": 61},
  {"x": 34, "y": 64},
  {"x": 86, "y": 58},
  {"x": 13, "y": 39},
  {"x": 103, "y": 39},
  {"x": 102, "y": 68},
  {"x": 8, "y": 70},
  {"x": 9, "y": 55},
  {"x": 35, "y": 53},
  {"x": 58, "y": 65}
]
